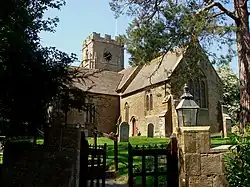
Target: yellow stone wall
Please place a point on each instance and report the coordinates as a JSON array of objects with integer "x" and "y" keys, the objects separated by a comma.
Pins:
[
  {"x": 107, "y": 112},
  {"x": 200, "y": 165}
]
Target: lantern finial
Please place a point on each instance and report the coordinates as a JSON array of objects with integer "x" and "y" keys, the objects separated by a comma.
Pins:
[
  {"x": 186, "y": 89},
  {"x": 186, "y": 94}
]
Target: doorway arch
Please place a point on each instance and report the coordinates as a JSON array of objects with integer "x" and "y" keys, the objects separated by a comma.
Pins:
[
  {"x": 150, "y": 130},
  {"x": 133, "y": 121}
]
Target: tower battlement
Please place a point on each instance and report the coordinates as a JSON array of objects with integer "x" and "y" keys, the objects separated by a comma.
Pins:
[
  {"x": 98, "y": 38},
  {"x": 102, "y": 52}
]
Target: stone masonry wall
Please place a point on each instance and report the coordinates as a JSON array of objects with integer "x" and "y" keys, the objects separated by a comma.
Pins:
[
  {"x": 215, "y": 93},
  {"x": 201, "y": 167},
  {"x": 57, "y": 163},
  {"x": 107, "y": 112},
  {"x": 208, "y": 116},
  {"x": 38, "y": 167},
  {"x": 137, "y": 108}
]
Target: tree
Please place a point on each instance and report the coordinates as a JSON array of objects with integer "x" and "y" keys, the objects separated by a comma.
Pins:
[
  {"x": 31, "y": 75},
  {"x": 162, "y": 25},
  {"x": 231, "y": 95}
]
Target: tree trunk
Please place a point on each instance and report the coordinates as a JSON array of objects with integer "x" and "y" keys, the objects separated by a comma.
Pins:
[{"x": 243, "y": 47}]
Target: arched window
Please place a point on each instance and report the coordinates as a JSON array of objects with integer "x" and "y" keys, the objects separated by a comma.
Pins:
[
  {"x": 151, "y": 102},
  {"x": 126, "y": 112},
  {"x": 147, "y": 102},
  {"x": 197, "y": 92},
  {"x": 203, "y": 95}
]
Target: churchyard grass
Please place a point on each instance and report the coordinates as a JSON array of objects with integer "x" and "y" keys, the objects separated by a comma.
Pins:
[{"x": 219, "y": 141}]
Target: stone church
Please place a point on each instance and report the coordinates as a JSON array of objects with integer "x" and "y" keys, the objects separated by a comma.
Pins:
[{"x": 145, "y": 96}]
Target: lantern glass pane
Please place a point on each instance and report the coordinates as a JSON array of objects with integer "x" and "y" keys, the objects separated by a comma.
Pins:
[
  {"x": 180, "y": 117},
  {"x": 189, "y": 117}
]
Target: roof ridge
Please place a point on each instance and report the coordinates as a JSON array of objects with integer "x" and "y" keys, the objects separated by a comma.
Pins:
[
  {"x": 175, "y": 51},
  {"x": 135, "y": 71}
]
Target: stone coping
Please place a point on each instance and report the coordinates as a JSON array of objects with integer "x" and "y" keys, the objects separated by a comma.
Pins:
[
  {"x": 195, "y": 128},
  {"x": 222, "y": 148},
  {"x": 216, "y": 151}
]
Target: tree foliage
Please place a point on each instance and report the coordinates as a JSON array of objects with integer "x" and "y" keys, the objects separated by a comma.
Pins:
[
  {"x": 31, "y": 75},
  {"x": 163, "y": 25},
  {"x": 231, "y": 95}
]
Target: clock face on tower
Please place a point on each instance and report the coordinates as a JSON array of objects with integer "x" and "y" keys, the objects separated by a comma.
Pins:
[{"x": 107, "y": 56}]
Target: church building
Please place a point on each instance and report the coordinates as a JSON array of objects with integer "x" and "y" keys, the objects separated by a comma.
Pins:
[{"x": 145, "y": 96}]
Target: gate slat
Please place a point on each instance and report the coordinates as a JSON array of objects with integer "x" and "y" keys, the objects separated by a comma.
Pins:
[
  {"x": 143, "y": 171},
  {"x": 104, "y": 164},
  {"x": 99, "y": 170},
  {"x": 130, "y": 166},
  {"x": 156, "y": 170},
  {"x": 92, "y": 169}
]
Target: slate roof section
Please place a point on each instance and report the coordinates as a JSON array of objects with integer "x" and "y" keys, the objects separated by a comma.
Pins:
[
  {"x": 155, "y": 72},
  {"x": 126, "y": 74},
  {"x": 108, "y": 82},
  {"x": 99, "y": 81}
]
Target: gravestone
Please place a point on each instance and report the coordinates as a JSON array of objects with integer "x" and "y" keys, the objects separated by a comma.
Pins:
[
  {"x": 124, "y": 132},
  {"x": 227, "y": 125},
  {"x": 150, "y": 130}
]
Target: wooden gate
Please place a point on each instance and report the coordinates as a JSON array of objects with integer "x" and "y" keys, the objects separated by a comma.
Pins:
[
  {"x": 158, "y": 167},
  {"x": 93, "y": 164}
]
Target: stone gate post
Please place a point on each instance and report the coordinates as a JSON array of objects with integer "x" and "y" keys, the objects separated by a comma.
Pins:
[{"x": 200, "y": 166}]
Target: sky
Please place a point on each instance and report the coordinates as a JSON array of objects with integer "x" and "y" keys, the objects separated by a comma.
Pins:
[{"x": 79, "y": 18}]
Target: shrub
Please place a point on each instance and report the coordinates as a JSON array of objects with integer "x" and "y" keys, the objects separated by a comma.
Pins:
[{"x": 238, "y": 161}]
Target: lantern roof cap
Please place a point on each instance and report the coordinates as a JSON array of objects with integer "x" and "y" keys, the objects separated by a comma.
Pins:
[{"x": 187, "y": 101}]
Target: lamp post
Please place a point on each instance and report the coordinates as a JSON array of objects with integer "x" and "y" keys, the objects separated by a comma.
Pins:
[{"x": 187, "y": 109}]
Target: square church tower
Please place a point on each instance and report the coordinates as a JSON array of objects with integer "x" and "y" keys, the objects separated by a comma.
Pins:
[{"x": 102, "y": 53}]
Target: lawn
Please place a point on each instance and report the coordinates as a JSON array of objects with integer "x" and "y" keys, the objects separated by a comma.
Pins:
[{"x": 219, "y": 141}]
